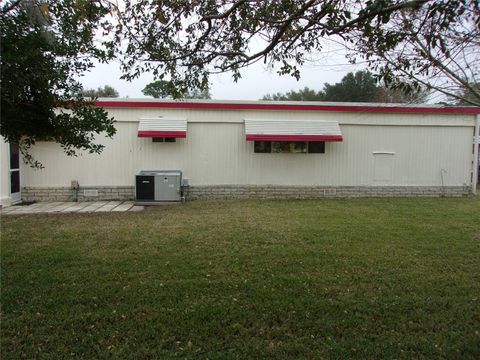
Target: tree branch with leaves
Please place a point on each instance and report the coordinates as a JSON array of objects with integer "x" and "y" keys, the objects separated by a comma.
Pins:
[
  {"x": 186, "y": 42},
  {"x": 44, "y": 46},
  {"x": 435, "y": 47}
]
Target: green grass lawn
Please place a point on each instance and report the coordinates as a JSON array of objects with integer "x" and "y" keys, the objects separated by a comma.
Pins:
[{"x": 339, "y": 278}]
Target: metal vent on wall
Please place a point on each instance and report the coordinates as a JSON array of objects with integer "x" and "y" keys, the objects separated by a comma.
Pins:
[{"x": 90, "y": 193}]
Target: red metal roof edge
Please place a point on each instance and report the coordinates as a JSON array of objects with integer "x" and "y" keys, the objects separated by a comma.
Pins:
[
  {"x": 289, "y": 107},
  {"x": 164, "y": 134},
  {"x": 303, "y": 137}
]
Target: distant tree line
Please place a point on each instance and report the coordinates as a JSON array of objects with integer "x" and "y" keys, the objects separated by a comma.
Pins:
[
  {"x": 354, "y": 87},
  {"x": 106, "y": 91}
]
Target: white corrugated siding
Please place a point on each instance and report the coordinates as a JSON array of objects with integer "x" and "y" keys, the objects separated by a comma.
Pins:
[
  {"x": 162, "y": 125},
  {"x": 291, "y": 127},
  {"x": 216, "y": 152}
]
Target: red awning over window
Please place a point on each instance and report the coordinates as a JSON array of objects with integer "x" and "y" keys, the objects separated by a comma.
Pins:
[
  {"x": 292, "y": 130},
  {"x": 164, "y": 128}
]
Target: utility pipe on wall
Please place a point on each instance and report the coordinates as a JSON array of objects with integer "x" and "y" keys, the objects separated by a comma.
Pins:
[{"x": 476, "y": 144}]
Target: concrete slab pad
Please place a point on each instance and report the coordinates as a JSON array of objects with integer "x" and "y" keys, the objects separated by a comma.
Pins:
[
  {"x": 58, "y": 208},
  {"x": 33, "y": 211},
  {"x": 108, "y": 206},
  {"x": 124, "y": 206},
  {"x": 92, "y": 206},
  {"x": 76, "y": 207},
  {"x": 72, "y": 207},
  {"x": 11, "y": 212},
  {"x": 22, "y": 210},
  {"x": 33, "y": 205},
  {"x": 136, "y": 208},
  {"x": 46, "y": 205}
]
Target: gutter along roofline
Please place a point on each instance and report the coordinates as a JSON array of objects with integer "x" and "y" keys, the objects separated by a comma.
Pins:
[{"x": 287, "y": 106}]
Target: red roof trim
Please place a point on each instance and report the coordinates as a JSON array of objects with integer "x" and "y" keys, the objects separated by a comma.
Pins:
[
  {"x": 263, "y": 137},
  {"x": 162, "y": 134},
  {"x": 289, "y": 107}
]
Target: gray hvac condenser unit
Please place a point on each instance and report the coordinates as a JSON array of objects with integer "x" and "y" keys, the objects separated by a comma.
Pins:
[{"x": 161, "y": 185}]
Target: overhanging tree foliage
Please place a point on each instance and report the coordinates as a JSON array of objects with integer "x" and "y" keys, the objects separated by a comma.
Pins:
[
  {"x": 186, "y": 41},
  {"x": 44, "y": 45},
  {"x": 435, "y": 47},
  {"x": 411, "y": 45}
]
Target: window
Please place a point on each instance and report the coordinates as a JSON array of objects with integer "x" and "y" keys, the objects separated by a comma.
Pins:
[
  {"x": 289, "y": 147},
  {"x": 316, "y": 147},
  {"x": 263, "y": 146},
  {"x": 298, "y": 147},
  {"x": 161, "y": 139}
]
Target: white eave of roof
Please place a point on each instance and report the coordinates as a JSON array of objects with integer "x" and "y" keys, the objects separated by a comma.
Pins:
[{"x": 263, "y": 102}]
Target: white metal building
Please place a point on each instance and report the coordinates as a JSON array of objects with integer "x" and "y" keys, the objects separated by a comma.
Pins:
[{"x": 264, "y": 149}]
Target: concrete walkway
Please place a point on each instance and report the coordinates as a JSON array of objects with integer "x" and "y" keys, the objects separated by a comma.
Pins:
[{"x": 72, "y": 207}]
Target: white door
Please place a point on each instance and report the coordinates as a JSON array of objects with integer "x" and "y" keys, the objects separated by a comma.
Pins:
[{"x": 15, "y": 173}]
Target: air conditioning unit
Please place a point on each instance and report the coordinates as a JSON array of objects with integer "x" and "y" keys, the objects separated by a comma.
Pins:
[{"x": 158, "y": 185}]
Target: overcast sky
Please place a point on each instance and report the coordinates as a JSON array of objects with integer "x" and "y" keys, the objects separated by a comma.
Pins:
[{"x": 256, "y": 80}]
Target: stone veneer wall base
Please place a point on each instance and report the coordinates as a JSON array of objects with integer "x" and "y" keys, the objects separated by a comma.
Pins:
[
  {"x": 245, "y": 192},
  {"x": 315, "y": 192},
  {"x": 67, "y": 194}
]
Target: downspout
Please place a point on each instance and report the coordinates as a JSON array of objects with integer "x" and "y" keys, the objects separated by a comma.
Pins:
[{"x": 476, "y": 144}]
